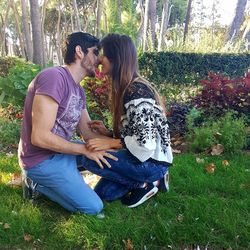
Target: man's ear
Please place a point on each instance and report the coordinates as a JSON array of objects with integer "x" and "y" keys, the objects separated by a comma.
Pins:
[{"x": 78, "y": 51}]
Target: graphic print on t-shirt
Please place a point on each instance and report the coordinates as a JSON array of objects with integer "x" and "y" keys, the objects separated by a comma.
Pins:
[{"x": 65, "y": 124}]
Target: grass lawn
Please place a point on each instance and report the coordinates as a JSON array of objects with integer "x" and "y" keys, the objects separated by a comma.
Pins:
[{"x": 201, "y": 209}]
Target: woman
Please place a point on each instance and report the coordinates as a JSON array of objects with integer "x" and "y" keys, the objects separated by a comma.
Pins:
[{"x": 140, "y": 130}]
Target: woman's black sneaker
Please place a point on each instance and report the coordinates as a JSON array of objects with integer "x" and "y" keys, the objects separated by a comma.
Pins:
[
  {"x": 164, "y": 183},
  {"x": 139, "y": 195}
]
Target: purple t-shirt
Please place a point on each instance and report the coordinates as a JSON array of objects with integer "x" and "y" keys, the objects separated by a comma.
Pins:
[{"x": 57, "y": 83}]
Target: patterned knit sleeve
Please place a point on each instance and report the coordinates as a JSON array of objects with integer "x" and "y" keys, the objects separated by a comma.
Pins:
[{"x": 143, "y": 122}]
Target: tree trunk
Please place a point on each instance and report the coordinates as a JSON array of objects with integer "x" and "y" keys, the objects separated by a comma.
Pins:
[
  {"x": 98, "y": 17},
  {"x": 44, "y": 42},
  {"x": 187, "y": 20},
  {"x": 58, "y": 37},
  {"x": 78, "y": 23},
  {"x": 140, "y": 29},
  {"x": 119, "y": 19},
  {"x": 237, "y": 21},
  {"x": 164, "y": 22},
  {"x": 26, "y": 29},
  {"x": 18, "y": 28},
  {"x": 246, "y": 35},
  {"x": 5, "y": 23},
  {"x": 36, "y": 32},
  {"x": 145, "y": 27},
  {"x": 152, "y": 22}
]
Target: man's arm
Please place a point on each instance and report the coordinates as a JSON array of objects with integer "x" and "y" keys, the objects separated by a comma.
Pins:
[
  {"x": 85, "y": 130},
  {"x": 44, "y": 111}
]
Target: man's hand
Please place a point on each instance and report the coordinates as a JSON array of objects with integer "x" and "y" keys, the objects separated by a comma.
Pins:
[
  {"x": 98, "y": 157},
  {"x": 97, "y": 144},
  {"x": 99, "y": 127}
]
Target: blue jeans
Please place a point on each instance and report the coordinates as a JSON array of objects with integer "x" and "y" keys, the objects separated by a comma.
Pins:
[
  {"x": 125, "y": 174},
  {"x": 58, "y": 178}
]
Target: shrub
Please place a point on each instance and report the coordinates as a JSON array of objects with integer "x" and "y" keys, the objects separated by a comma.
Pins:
[
  {"x": 175, "y": 67},
  {"x": 11, "y": 112},
  {"x": 14, "y": 86},
  {"x": 177, "y": 118},
  {"x": 229, "y": 130},
  {"x": 232, "y": 132},
  {"x": 181, "y": 93},
  {"x": 220, "y": 94},
  {"x": 6, "y": 63},
  {"x": 97, "y": 91}
]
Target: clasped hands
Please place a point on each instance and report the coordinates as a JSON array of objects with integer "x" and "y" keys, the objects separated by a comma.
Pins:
[{"x": 97, "y": 147}]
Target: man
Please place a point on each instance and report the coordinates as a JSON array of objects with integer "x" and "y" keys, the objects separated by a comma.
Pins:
[{"x": 55, "y": 107}]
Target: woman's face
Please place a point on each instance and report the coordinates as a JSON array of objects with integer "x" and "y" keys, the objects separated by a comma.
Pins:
[{"x": 106, "y": 65}]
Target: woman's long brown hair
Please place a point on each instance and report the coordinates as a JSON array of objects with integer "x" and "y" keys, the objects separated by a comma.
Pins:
[{"x": 121, "y": 52}]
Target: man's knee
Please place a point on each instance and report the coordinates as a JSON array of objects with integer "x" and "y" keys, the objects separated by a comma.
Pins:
[
  {"x": 93, "y": 208},
  {"x": 98, "y": 207}
]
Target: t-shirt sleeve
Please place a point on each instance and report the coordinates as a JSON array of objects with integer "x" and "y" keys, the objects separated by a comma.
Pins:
[{"x": 50, "y": 82}]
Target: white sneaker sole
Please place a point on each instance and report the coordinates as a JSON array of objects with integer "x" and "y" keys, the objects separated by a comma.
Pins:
[
  {"x": 145, "y": 197},
  {"x": 166, "y": 181}
]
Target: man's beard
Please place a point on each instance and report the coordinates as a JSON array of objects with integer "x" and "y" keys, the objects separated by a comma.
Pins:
[{"x": 88, "y": 66}]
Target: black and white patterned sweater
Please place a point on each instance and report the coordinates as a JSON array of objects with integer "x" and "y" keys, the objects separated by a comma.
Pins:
[{"x": 144, "y": 127}]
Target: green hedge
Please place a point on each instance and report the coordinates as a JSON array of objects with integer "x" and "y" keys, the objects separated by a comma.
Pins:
[{"x": 174, "y": 67}]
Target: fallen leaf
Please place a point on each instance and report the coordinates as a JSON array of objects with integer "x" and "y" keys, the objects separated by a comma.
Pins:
[
  {"x": 15, "y": 145},
  {"x": 225, "y": 163},
  {"x": 210, "y": 168},
  {"x": 16, "y": 180},
  {"x": 199, "y": 160},
  {"x": 9, "y": 155},
  {"x": 6, "y": 226},
  {"x": 176, "y": 151},
  {"x": 27, "y": 237},
  {"x": 217, "y": 149},
  {"x": 217, "y": 135},
  {"x": 128, "y": 244},
  {"x": 177, "y": 143},
  {"x": 180, "y": 217}
]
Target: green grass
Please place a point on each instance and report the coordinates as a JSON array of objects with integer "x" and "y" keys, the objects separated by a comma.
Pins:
[{"x": 201, "y": 209}]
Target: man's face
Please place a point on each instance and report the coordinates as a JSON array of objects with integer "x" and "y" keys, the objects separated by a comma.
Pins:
[{"x": 90, "y": 61}]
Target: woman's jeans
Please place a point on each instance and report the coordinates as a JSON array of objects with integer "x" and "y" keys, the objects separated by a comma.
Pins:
[
  {"x": 126, "y": 174},
  {"x": 59, "y": 179}
]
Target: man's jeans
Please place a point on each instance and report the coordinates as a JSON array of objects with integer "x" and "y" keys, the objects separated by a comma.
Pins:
[
  {"x": 59, "y": 179},
  {"x": 124, "y": 175}
]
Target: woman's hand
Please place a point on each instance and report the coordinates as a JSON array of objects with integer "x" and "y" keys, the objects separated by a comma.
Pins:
[
  {"x": 103, "y": 144},
  {"x": 99, "y": 127},
  {"x": 99, "y": 157}
]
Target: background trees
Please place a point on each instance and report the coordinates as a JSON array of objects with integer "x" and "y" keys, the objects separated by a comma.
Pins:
[{"x": 35, "y": 29}]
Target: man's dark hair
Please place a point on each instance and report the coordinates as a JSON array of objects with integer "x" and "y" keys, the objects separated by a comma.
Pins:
[{"x": 84, "y": 40}]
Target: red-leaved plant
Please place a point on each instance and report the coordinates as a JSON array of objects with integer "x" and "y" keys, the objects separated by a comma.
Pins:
[
  {"x": 220, "y": 93},
  {"x": 98, "y": 96}
]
